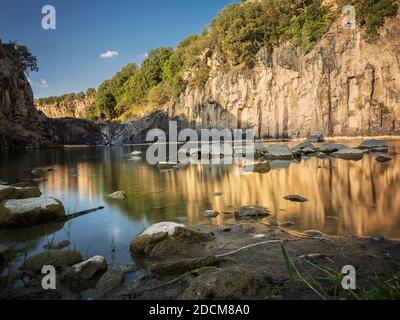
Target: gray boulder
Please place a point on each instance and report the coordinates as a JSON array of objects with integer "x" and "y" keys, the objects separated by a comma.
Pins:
[
  {"x": 30, "y": 211},
  {"x": 118, "y": 195},
  {"x": 279, "y": 152},
  {"x": 109, "y": 282},
  {"x": 11, "y": 192},
  {"x": 349, "y": 154},
  {"x": 374, "y": 145},
  {"x": 316, "y": 137},
  {"x": 260, "y": 167},
  {"x": 331, "y": 148},
  {"x": 210, "y": 214}
]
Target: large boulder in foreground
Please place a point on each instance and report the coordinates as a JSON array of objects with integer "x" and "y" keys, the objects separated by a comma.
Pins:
[
  {"x": 226, "y": 284},
  {"x": 10, "y": 192},
  {"x": 279, "y": 152},
  {"x": 349, "y": 154},
  {"x": 30, "y": 211},
  {"x": 168, "y": 238}
]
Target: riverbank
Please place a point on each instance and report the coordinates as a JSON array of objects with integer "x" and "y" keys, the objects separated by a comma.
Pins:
[{"x": 254, "y": 259}]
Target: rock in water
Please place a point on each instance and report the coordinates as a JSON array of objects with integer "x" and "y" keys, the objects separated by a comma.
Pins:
[
  {"x": 137, "y": 154},
  {"x": 286, "y": 224},
  {"x": 374, "y": 145},
  {"x": 86, "y": 270},
  {"x": 331, "y": 147},
  {"x": 261, "y": 167},
  {"x": 279, "y": 152},
  {"x": 118, "y": 195},
  {"x": 167, "y": 165},
  {"x": 251, "y": 211},
  {"x": 10, "y": 192},
  {"x": 317, "y": 137},
  {"x": 295, "y": 198},
  {"x": 166, "y": 238},
  {"x": 383, "y": 158},
  {"x": 210, "y": 214},
  {"x": 349, "y": 154},
  {"x": 313, "y": 234},
  {"x": 31, "y": 211},
  {"x": 42, "y": 170},
  {"x": 109, "y": 282},
  {"x": 57, "y": 259}
]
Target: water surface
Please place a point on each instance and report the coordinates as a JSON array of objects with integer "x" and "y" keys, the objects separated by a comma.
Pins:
[{"x": 346, "y": 197}]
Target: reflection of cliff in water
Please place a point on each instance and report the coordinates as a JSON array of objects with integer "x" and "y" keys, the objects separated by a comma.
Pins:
[{"x": 345, "y": 197}]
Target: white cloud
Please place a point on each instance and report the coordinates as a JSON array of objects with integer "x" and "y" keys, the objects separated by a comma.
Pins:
[
  {"x": 41, "y": 84},
  {"x": 109, "y": 54}
]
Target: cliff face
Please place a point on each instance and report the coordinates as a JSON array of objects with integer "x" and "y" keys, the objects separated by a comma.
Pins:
[
  {"x": 72, "y": 107},
  {"x": 344, "y": 87},
  {"x": 22, "y": 125}
]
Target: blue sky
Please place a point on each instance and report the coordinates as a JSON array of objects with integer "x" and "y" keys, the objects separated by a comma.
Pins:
[{"x": 70, "y": 56}]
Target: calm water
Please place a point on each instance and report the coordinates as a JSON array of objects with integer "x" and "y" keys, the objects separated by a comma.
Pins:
[{"x": 358, "y": 198}]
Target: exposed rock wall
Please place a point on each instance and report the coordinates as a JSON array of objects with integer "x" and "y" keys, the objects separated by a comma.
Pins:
[
  {"x": 344, "y": 87},
  {"x": 21, "y": 125},
  {"x": 66, "y": 108}
]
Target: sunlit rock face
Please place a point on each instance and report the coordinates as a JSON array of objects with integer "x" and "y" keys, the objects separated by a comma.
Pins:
[
  {"x": 71, "y": 108},
  {"x": 343, "y": 87}
]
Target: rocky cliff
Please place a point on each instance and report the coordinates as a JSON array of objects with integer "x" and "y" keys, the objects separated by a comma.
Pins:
[
  {"x": 343, "y": 87},
  {"x": 71, "y": 105},
  {"x": 22, "y": 125}
]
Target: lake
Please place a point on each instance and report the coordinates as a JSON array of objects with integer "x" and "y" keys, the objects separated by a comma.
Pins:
[{"x": 346, "y": 197}]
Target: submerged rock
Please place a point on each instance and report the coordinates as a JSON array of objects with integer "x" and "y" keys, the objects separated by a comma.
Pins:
[
  {"x": 279, "y": 152},
  {"x": 374, "y": 145},
  {"x": 295, "y": 198},
  {"x": 261, "y": 167},
  {"x": 383, "y": 158},
  {"x": 11, "y": 192},
  {"x": 109, "y": 282},
  {"x": 86, "y": 270},
  {"x": 349, "y": 154},
  {"x": 168, "y": 238},
  {"x": 321, "y": 156},
  {"x": 31, "y": 211},
  {"x": 225, "y": 284},
  {"x": 41, "y": 170},
  {"x": 57, "y": 246},
  {"x": 210, "y": 214},
  {"x": 57, "y": 259},
  {"x": 251, "y": 211},
  {"x": 313, "y": 234},
  {"x": 167, "y": 165},
  {"x": 118, "y": 195},
  {"x": 286, "y": 224}
]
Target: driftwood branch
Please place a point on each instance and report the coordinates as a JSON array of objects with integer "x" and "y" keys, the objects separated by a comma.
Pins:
[{"x": 79, "y": 214}]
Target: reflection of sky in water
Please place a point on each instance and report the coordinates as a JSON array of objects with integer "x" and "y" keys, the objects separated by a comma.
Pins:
[{"x": 346, "y": 197}]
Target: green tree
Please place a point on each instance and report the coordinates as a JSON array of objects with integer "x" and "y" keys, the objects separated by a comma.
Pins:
[{"x": 22, "y": 56}]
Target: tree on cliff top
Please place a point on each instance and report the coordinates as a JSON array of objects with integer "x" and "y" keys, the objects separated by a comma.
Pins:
[{"x": 22, "y": 56}]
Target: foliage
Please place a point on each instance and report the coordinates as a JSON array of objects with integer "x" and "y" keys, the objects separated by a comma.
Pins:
[
  {"x": 22, "y": 56},
  {"x": 105, "y": 102},
  {"x": 372, "y": 14}
]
